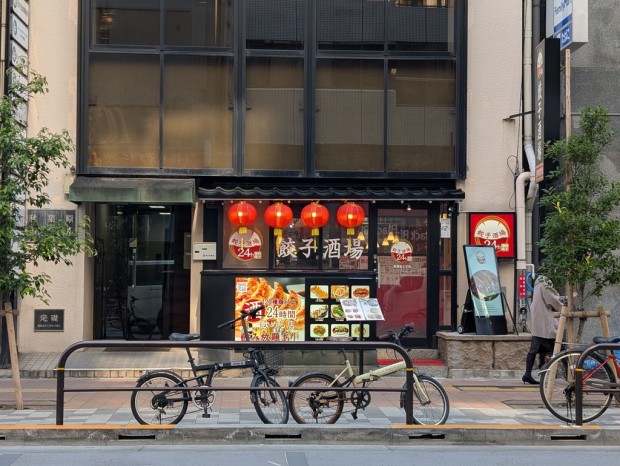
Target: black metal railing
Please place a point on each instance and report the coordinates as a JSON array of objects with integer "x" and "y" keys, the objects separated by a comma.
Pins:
[
  {"x": 360, "y": 346},
  {"x": 613, "y": 388}
]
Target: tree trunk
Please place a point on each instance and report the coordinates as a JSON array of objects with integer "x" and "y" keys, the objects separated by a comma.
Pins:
[{"x": 9, "y": 316}]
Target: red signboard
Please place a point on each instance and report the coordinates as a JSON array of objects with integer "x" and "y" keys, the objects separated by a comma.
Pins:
[{"x": 494, "y": 229}]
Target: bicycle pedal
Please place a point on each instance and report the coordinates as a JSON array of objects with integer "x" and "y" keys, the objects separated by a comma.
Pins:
[{"x": 206, "y": 415}]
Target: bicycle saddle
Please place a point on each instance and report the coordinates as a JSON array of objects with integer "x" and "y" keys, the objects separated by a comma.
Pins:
[
  {"x": 184, "y": 336},
  {"x": 615, "y": 339}
]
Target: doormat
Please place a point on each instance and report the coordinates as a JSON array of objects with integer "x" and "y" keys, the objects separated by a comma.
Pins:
[{"x": 416, "y": 362}]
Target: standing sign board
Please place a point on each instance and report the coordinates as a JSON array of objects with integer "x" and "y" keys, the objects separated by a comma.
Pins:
[{"x": 486, "y": 290}]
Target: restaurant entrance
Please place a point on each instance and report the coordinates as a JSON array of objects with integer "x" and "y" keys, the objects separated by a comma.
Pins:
[
  {"x": 402, "y": 237},
  {"x": 141, "y": 271}
]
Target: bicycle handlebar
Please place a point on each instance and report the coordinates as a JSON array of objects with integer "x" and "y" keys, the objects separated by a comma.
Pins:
[
  {"x": 251, "y": 313},
  {"x": 391, "y": 335}
]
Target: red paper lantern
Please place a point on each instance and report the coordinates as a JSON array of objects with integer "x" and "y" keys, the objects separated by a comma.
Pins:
[
  {"x": 350, "y": 215},
  {"x": 314, "y": 215},
  {"x": 278, "y": 216},
  {"x": 242, "y": 214}
]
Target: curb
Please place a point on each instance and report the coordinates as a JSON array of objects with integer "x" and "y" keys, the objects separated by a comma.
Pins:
[{"x": 326, "y": 435}]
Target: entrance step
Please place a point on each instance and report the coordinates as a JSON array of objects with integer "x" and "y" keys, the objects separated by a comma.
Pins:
[{"x": 426, "y": 361}]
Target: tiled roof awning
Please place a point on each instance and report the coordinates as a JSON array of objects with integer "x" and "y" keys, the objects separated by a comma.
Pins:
[{"x": 309, "y": 193}]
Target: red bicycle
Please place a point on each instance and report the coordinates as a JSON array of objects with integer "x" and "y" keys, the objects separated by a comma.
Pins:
[{"x": 600, "y": 372}]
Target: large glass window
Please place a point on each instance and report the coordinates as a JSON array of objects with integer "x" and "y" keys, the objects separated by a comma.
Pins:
[
  {"x": 349, "y": 115},
  {"x": 275, "y": 24},
  {"x": 274, "y": 117},
  {"x": 198, "y": 118},
  {"x": 205, "y": 23},
  {"x": 332, "y": 249},
  {"x": 232, "y": 87},
  {"x": 420, "y": 25},
  {"x": 421, "y": 106},
  {"x": 350, "y": 24},
  {"x": 123, "y": 111},
  {"x": 125, "y": 22}
]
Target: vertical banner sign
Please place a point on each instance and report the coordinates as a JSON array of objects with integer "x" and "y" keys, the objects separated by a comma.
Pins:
[
  {"x": 539, "y": 112},
  {"x": 546, "y": 100}
]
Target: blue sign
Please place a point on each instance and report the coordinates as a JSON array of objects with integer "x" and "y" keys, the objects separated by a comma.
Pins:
[
  {"x": 565, "y": 36},
  {"x": 567, "y": 20}
]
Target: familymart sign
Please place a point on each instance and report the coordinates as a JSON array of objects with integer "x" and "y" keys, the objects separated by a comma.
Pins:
[{"x": 567, "y": 20}]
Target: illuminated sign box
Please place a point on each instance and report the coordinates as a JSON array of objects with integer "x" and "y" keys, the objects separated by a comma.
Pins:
[{"x": 493, "y": 229}]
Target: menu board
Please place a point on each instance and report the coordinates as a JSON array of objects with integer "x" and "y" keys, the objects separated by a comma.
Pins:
[
  {"x": 326, "y": 313},
  {"x": 361, "y": 309}
]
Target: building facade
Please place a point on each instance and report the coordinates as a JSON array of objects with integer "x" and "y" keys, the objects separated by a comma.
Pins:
[{"x": 185, "y": 112}]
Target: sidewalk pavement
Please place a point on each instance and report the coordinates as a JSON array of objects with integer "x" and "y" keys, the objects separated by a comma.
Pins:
[{"x": 495, "y": 404}]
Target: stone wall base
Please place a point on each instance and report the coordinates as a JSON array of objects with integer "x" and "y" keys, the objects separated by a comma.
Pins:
[{"x": 472, "y": 355}]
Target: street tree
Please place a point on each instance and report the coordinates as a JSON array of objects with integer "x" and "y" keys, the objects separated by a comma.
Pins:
[
  {"x": 26, "y": 164},
  {"x": 580, "y": 233}
]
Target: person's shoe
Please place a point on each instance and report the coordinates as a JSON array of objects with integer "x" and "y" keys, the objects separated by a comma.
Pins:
[{"x": 529, "y": 379}]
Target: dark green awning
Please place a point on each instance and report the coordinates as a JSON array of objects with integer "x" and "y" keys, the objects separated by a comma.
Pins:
[{"x": 132, "y": 190}]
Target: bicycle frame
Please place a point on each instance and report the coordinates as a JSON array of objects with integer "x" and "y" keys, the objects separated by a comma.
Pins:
[{"x": 352, "y": 380}]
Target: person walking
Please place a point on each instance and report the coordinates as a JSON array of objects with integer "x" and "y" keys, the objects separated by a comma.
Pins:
[{"x": 543, "y": 324}]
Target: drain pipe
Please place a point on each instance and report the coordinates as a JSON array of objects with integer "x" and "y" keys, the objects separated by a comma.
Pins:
[{"x": 525, "y": 204}]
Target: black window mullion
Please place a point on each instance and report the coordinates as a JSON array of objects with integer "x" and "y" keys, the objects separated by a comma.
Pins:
[
  {"x": 239, "y": 70},
  {"x": 310, "y": 85}
]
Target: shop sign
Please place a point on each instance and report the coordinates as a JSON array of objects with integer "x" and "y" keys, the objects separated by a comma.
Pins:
[
  {"x": 333, "y": 248},
  {"x": 245, "y": 246},
  {"x": 48, "y": 216},
  {"x": 494, "y": 229},
  {"x": 49, "y": 320},
  {"x": 18, "y": 55},
  {"x": 21, "y": 9},
  {"x": 19, "y": 31},
  {"x": 283, "y": 318},
  {"x": 402, "y": 251}
]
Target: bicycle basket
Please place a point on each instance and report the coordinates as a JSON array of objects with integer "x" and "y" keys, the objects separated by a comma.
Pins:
[{"x": 270, "y": 361}]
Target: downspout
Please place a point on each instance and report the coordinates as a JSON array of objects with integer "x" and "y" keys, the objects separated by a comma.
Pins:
[{"x": 525, "y": 204}]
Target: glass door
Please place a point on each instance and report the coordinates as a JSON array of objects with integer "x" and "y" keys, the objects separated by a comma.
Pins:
[
  {"x": 402, "y": 237},
  {"x": 141, "y": 265}
]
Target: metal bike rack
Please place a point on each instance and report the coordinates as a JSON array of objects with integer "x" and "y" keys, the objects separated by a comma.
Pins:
[
  {"x": 614, "y": 388},
  {"x": 315, "y": 345}
]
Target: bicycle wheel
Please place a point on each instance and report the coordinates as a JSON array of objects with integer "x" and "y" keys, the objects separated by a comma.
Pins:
[
  {"x": 430, "y": 401},
  {"x": 557, "y": 386},
  {"x": 317, "y": 405},
  {"x": 271, "y": 405},
  {"x": 158, "y": 406}
]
